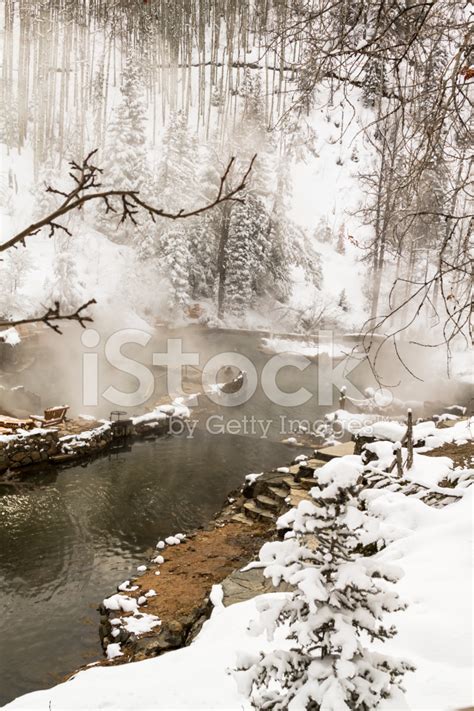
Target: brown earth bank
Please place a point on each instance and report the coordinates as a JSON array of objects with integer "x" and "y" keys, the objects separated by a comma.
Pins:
[
  {"x": 183, "y": 586},
  {"x": 211, "y": 555},
  {"x": 208, "y": 556},
  {"x": 461, "y": 454},
  {"x": 184, "y": 581}
]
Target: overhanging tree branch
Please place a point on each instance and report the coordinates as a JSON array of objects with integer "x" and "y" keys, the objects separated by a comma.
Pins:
[
  {"x": 87, "y": 179},
  {"x": 52, "y": 315}
]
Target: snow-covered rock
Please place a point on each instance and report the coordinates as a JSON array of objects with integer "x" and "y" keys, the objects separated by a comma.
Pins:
[
  {"x": 172, "y": 541},
  {"x": 113, "y": 651},
  {"x": 120, "y": 602}
]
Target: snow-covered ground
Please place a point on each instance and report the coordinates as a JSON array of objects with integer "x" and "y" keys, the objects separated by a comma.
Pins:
[
  {"x": 435, "y": 632},
  {"x": 195, "y": 677}
]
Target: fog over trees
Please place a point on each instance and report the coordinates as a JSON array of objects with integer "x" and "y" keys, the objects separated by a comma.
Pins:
[{"x": 169, "y": 92}]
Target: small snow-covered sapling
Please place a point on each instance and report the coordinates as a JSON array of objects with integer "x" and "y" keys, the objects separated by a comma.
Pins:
[{"x": 339, "y": 603}]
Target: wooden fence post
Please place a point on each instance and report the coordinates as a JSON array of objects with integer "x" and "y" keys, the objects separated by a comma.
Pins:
[
  {"x": 397, "y": 448},
  {"x": 342, "y": 398},
  {"x": 409, "y": 437}
]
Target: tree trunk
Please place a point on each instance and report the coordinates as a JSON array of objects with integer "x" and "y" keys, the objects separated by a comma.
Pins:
[{"x": 221, "y": 261}]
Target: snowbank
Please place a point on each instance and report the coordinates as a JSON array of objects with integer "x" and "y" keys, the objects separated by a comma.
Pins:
[
  {"x": 434, "y": 631},
  {"x": 433, "y": 436},
  {"x": 10, "y": 336},
  {"x": 305, "y": 348},
  {"x": 163, "y": 412},
  {"x": 193, "y": 677},
  {"x": 372, "y": 425}
]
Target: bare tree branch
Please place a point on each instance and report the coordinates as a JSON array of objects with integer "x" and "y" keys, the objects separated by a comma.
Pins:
[
  {"x": 53, "y": 315},
  {"x": 87, "y": 179}
]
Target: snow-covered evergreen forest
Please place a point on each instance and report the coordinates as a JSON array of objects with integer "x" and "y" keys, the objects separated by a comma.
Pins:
[{"x": 358, "y": 204}]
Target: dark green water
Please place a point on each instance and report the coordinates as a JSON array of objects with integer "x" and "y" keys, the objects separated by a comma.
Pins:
[{"x": 67, "y": 538}]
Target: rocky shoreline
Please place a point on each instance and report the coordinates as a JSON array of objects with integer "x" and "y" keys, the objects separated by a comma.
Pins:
[
  {"x": 81, "y": 438},
  {"x": 172, "y": 593}
]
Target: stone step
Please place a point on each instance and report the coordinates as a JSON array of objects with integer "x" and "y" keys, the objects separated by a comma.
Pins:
[
  {"x": 278, "y": 493},
  {"x": 338, "y": 450},
  {"x": 314, "y": 463},
  {"x": 245, "y": 585},
  {"x": 266, "y": 502},
  {"x": 308, "y": 468},
  {"x": 255, "y": 512},
  {"x": 298, "y": 495},
  {"x": 304, "y": 472},
  {"x": 307, "y": 482},
  {"x": 242, "y": 518},
  {"x": 294, "y": 469}
]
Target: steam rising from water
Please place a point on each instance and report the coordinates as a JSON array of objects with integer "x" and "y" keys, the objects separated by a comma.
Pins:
[{"x": 53, "y": 368}]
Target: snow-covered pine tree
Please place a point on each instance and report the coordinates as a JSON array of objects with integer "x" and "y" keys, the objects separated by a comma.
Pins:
[
  {"x": 176, "y": 186},
  {"x": 336, "y": 609},
  {"x": 282, "y": 236},
  {"x": 206, "y": 231},
  {"x": 202, "y": 244},
  {"x": 375, "y": 82},
  {"x": 125, "y": 163},
  {"x": 15, "y": 268},
  {"x": 252, "y": 121},
  {"x": 9, "y": 122},
  {"x": 43, "y": 201},
  {"x": 8, "y": 192},
  {"x": 176, "y": 262},
  {"x": 176, "y": 177},
  {"x": 310, "y": 260},
  {"x": 246, "y": 254},
  {"x": 126, "y": 156},
  {"x": 323, "y": 232},
  {"x": 64, "y": 285},
  {"x": 343, "y": 302},
  {"x": 259, "y": 235},
  {"x": 341, "y": 240}
]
